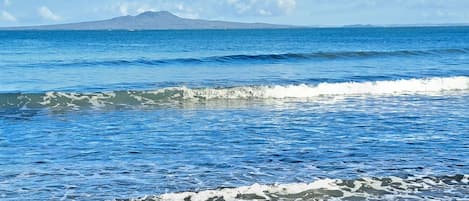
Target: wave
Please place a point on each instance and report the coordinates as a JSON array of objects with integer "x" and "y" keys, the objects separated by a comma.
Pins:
[
  {"x": 178, "y": 94},
  {"x": 262, "y": 58},
  {"x": 369, "y": 188}
]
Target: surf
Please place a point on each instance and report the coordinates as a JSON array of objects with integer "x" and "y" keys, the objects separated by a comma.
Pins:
[
  {"x": 75, "y": 100},
  {"x": 379, "y": 188}
]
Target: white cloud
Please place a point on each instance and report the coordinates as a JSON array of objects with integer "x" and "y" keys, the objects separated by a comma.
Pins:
[
  {"x": 187, "y": 12},
  {"x": 6, "y": 16},
  {"x": 264, "y": 12},
  {"x": 144, "y": 8},
  {"x": 132, "y": 8},
  {"x": 6, "y": 2},
  {"x": 124, "y": 9},
  {"x": 47, "y": 14},
  {"x": 180, "y": 9},
  {"x": 261, "y": 7},
  {"x": 287, "y": 5},
  {"x": 241, "y": 6}
]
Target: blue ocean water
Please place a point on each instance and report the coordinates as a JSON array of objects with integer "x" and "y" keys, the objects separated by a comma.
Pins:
[{"x": 332, "y": 113}]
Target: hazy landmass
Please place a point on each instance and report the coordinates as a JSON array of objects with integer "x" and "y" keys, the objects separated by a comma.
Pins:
[
  {"x": 405, "y": 25},
  {"x": 152, "y": 21},
  {"x": 164, "y": 20}
]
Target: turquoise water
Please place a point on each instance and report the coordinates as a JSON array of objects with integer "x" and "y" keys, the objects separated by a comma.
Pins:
[{"x": 102, "y": 115}]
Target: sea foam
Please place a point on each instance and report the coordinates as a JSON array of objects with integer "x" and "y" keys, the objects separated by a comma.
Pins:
[
  {"x": 411, "y": 86},
  {"x": 52, "y": 99},
  {"x": 368, "y": 188}
]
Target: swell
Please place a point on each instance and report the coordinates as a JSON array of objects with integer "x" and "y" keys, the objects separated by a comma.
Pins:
[
  {"x": 261, "y": 58},
  {"x": 173, "y": 95},
  {"x": 452, "y": 187}
]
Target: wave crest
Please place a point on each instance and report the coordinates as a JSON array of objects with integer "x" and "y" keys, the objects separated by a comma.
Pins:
[
  {"x": 169, "y": 95},
  {"x": 412, "y": 86},
  {"x": 263, "y": 58},
  {"x": 388, "y": 188}
]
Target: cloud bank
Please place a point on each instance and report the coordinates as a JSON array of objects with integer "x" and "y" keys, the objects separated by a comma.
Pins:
[
  {"x": 6, "y": 3},
  {"x": 6, "y": 16},
  {"x": 297, "y": 12},
  {"x": 47, "y": 14},
  {"x": 261, "y": 7}
]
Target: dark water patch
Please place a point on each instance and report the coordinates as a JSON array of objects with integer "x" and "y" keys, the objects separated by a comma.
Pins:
[{"x": 250, "y": 59}]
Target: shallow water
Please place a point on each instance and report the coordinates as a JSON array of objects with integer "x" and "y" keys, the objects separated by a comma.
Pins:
[{"x": 105, "y": 115}]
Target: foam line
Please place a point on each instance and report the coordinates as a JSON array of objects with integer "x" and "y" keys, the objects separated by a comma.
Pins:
[
  {"x": 169, "y": 95},
  {"x": 387, "y": 188}
]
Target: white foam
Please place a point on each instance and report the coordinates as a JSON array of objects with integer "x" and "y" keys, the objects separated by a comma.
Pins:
[
  {"x": 389, "y": 188},
  {"x": 411, "y": 86},
  {"x": 230, "y": 194},
  {"x": 331, "y": 91},
  {"x": 95, "y": 100}
]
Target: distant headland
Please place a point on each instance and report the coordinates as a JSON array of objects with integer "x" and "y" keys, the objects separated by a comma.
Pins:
[{"x": 162, "y": 20}]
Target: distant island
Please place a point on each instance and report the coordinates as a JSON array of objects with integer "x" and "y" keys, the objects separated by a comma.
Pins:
[
  {"x": 162, "y": 20},
  {"x": 405, "y": 25}
]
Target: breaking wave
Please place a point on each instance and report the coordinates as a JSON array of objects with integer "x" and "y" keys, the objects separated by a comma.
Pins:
[
  {"x": 169, "y": 95},
  {"x": 370, "y": 188},
  {"x": 264, "y": 58}
]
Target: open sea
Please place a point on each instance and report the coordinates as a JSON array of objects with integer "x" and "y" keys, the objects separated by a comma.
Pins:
[{"x": 292, "y": 114}]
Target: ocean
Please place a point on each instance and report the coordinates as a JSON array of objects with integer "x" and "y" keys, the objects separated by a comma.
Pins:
[{"x": 288, "y": 114}]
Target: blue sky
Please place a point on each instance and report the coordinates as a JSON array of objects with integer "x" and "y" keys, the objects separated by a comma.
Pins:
[{"x": 298, "y": 12}]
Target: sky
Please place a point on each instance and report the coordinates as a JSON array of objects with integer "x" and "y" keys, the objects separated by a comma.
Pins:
[{"x": 294, "y": 12}]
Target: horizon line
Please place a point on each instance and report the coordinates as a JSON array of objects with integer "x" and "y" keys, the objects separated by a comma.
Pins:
[{"x": 354, "y": 25}]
